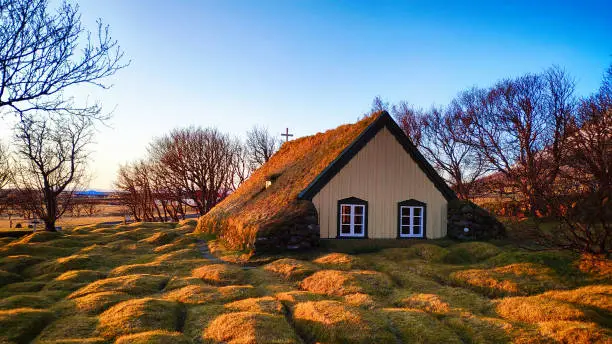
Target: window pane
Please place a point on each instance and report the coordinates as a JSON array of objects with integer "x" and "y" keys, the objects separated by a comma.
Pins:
[
  {"x": 359, "y": 209},
  {"x": 358, "y": 219},
  {"x": 345, "y": 229},
  {"x": 416, "y": 230},
  {"x": 416, "y": 221},
  {"x": 345, "y": 209},
  {"x": 405, "y": 221},
  {"x": 417, "y": 211},
  {"x": 358, "y": 229},
  {"x": 346, "y": 218},
  {"x": 405, "y": 230}
]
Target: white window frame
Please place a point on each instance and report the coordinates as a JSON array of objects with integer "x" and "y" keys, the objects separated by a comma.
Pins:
[
  {"x": 352, "y": 223},
  {"x": 411, "y": 226}
]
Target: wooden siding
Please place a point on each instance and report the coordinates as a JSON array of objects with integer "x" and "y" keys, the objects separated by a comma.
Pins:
[{"x": 383, "y": 174}]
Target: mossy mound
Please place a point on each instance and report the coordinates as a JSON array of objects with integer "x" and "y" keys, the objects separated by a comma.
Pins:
[
  {"x": 415, "y": 326},
  {"x": 510, "y": 280},
  {"x": 39, "y": 236},
  {"x": 16, "y": 263},
  {"x": 200, "y": 294},
  {"x": 177, "y": 282},
  {"x": 265, "y": 304},
  {"x": 297, "y": 296},
  {"x": 250, "y": 327},
  {"x": 339, "y": 283},
  {"x": 427, "y": 252},
  {"x": 36, "y": 249},
  {"x": 72, "y": 328},
  {"x": 338, "y": 261},
  {"x": 21, "y": 287},
  {"x": 132, "y": 269},
  {"x": 91, "y": 304},
  {"x": 139, "y": 315},
  {"x": 430, "y": 303},
  {"x": 26, "y": 301},
  {"x": 131, "y": 284},
  {"x": 360, "y": 300},
  {"x": 74, "y": 279},
  {"x": 153, "y": 337},
  {"x": 21, "y": 325},
  {"x": 198, "y": 318},
  {"x": 9, "y": 277},
  {"x": 73, "y": 262},
  {"x": 291, "y": 269},
  {"x": 335, "y": 322},
  {"x": 161, "y": 238},
  {"x": 220, "y": 274},
  {"x": 177, "y": 255},
  {"x": 471, "y": 252},
  {"x": 476, "y": 329},
  {"x": 575, "y": 332},
  {"x": 596, "y": 296},
  {"x": 534, "y": 309}
]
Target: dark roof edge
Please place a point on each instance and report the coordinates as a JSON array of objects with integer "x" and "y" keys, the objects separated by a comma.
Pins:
[{"x": 384, "y": 120}]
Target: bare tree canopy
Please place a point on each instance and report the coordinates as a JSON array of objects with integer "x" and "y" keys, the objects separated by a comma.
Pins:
[
  {"x": 260, "y": 145},
  {"x": 5, "y": 172},
  {"x": 51, "y": 157},
  {"x": 43, "y": 52}
]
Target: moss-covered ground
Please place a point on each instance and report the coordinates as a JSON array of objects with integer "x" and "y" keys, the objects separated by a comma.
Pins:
[{"x": 149, "y": 283}]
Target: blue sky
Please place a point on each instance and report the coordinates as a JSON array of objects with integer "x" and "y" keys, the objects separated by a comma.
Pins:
[{"x": 313, "y": 65}]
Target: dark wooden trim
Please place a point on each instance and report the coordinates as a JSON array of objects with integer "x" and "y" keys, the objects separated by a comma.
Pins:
[
  {"x": 383, "y": 120},
  {"x": 411, "y": 202},
  {"x": 352, "y": 200}
]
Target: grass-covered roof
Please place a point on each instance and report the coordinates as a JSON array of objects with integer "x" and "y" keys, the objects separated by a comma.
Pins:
[{"x": 292, "y": 169}]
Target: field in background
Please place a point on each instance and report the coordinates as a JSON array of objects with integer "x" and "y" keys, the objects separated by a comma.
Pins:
[{"x": 152, "y": 283}]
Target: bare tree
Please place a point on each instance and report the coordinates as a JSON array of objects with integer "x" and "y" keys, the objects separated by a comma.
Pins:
[
  {"x": 410, "y": 120},
  {"x": 521, "y": 127},
  {"x": 51, "y": 154},
  {"x": 44, "y": 52},
  {"x": 242, "y": 165},
  {"x": 378, "y": 105},
  {"x": 260, "y": 145},
  {"x": 5, "y": 171},
  {"x": 202, "y": 161}
]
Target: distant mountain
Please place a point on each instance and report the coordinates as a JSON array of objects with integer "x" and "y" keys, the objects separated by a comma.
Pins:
[{"x": 92, "y": 193}]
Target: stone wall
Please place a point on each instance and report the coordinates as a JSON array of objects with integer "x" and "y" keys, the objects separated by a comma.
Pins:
[
  {"x": 296, "y": 231},
  {"x": 479, "y": 223}
]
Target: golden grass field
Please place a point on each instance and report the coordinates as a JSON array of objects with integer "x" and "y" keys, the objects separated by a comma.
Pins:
[{"x": 149, "y": 283}]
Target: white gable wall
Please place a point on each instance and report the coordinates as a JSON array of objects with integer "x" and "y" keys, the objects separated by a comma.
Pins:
[{"x": 383, "y": 174}]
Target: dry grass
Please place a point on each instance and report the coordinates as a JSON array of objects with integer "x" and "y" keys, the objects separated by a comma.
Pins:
[
  {"x": 339, "y": 261},
  {"x": 265, "y": 304},
  {"x": 335, "y": 322},
  {"x": 140, "y": 315},
  {"x": 131, "y": 284},
  {"x": 250, "y": 327},
  {"x": 291, "y": 269},
  {"x": 340, "y": 283},
  {"x": 534, "y": 309},
  {"x": 136, "y": 285},
  {"x": 514, "y": 279},
  {"x": 220, "y": 274}
]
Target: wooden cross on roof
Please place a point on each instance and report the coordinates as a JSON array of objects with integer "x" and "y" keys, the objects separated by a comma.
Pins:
[{"x": 286, "y": 134}]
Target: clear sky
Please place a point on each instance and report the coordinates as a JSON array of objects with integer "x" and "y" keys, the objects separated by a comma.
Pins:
[{"x": 313, "y": 65}]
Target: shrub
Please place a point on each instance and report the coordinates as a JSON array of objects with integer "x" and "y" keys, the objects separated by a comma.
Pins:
[
  {"x": 250, "y": 327},
  {"x": 471, "y": 252},
  {"x": 140, "y": 315},
  {"x": 153, "y": 337},
  {"x": 131, "y": 284},
  {"x": 334, "y": 322},
  {"x": 291, "y": 269},
  {"x": 533, "y": 309},
  {"x": 220, "y": 274},
  {"x": 339, "y": 283},
  {"x": 21, "y": 325}
]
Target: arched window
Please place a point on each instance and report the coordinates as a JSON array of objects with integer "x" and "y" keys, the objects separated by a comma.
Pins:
[
  {"x": 411, "y": 216},
  {"x": 352, "y": 218}
]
